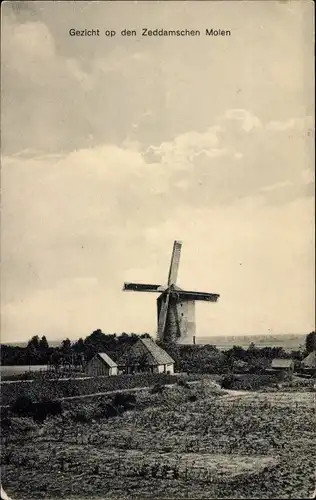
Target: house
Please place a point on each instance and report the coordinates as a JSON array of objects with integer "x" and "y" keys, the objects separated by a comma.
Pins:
[
  {"x": 280, "y": 364},
  {"x": 309, "y": 363},
  {"x": 146, "y": 356},
  {"x": 101, "y": 364}
]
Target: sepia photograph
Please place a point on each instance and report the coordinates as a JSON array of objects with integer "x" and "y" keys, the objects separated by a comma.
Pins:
[{"x": 157, "y": 250}]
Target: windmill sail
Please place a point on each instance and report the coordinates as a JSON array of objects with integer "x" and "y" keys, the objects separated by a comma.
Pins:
[
  {"x": 175, "y": 306},
  {"x": 163, "y": 315},
  {"x": 174, "y": 264},
  {"x": 188, "y": 295},
  {"x": 142, "y": 287}
]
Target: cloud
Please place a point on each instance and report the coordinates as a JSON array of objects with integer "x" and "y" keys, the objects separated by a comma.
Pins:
[
  {"x": 61, "y": 93},
  {"x": 113, "y": 148},
  {"x": 232, "y": 160},
  {"x": 29, "y": 50},
  {"x": 259, "y": 259},
  {"x": 248, "y": 120},
  {"x": 100, "y": 213}
]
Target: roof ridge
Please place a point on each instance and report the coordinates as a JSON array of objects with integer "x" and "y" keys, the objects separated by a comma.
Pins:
[{"x": 160, "y": 353}]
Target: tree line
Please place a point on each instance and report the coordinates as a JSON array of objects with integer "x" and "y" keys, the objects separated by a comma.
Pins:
[
  {"x": 77, "y": 353},
  {"x": 188, "y": 358}
]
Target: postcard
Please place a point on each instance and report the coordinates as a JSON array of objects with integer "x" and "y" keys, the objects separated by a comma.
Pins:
[{"x": 157, "y": 250}]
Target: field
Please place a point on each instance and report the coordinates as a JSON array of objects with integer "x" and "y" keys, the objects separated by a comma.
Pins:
[
  {"x": 43, "y": 385},
  {"x": 194, "y": 442},
  {"x": 19, "y": 369}
]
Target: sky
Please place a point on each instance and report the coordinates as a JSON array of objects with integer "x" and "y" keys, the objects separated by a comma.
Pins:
[{"x": 112, "y": 148}]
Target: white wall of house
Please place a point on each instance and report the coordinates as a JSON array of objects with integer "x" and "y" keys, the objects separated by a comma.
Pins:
[
  {"x": 170, "y": 368},
  {"x": 165, "y": 368},
  {"x": 151, "y": 369}
]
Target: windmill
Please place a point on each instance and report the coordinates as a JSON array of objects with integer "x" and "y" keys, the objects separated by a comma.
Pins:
[{"x": 175, "y": 307}]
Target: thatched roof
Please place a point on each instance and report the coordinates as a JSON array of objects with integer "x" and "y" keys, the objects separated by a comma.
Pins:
[
  {"x": 310, "y": 360},
  {"x": 146, "y": 347}
]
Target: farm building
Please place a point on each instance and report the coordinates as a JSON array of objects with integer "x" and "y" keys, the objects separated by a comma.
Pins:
[
  {"x": 280, "y": 364},
  {"x": 101, "y": 364},
  {"x": 146, "y": 356},
  {"x": 309, "y": 363}
]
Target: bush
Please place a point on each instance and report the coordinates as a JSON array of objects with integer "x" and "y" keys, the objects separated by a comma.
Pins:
[
  {"x": 70, "y": 390},
  {"x": 22, "y": 406},
  {"x": 122, "y": 402},
  {"x": 5, "y": 423},
  {"x": 25, "y": 407},
  {"x": 192, "y": 398},
  {"x": 228, "y": 382},
  {"x": 183, "y": 383},
  {"x": 248, "y": 382},
  {"x": 82, "y": 415},
  {"x": 157, "y": 389},
  {"x": 41, "y": 410}
]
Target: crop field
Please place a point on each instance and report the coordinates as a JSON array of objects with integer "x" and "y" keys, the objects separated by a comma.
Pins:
[
  {"x": 171, "y": 445},
  {"x": 61, "y": 388}
]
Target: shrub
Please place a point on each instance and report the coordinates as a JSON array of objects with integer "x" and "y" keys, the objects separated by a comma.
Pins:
[
  {"x": 22, "y": 406},
  {"x": 157, "y": 389},
  {"x": 123, "y": 402},
  {"x": 42, "y": 409},
  {"x": 183, "y": 383},
  {"x": 228, "y": 382},
  {"x": 248, "y": 382},
  {"x": 5, "y": 422},
  {"x": 81, "y": 415},
  {"x": 70, "y": 390},
  {"x": 192, "y": 398},
  {"x": 110, "y": 411}
]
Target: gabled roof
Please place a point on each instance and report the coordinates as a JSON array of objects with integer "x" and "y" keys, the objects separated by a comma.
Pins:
[
  {"x": 155, "y": 354},
  {"x": 104, "y": 357},
  {"x": 160, "y": 355},
  {"x": 310, "y": 360},
  {"x": 281, "y": 363}
]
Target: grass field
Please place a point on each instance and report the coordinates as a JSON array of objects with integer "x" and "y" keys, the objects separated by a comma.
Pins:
[{"x": 249, "y": 445}]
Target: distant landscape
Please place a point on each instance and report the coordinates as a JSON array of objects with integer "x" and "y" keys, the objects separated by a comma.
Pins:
[
  {"x": 286, "y": 341},
  {"x": 225, "y": 342}
]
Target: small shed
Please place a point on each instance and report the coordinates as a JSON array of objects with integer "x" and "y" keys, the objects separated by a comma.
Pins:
[
  {"x": 101, "y": 365},
  {"x": 280, "y": 364},
  {"x": 146, "y": 356},
  {"x": 309, "y": 363}
]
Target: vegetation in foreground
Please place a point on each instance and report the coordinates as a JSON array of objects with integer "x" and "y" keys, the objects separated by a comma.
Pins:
[{"x": 188, "y": 441}]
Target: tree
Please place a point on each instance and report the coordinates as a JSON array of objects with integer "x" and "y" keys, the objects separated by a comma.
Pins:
[
  {"x": 55, "y": 359},
  {"x": 66, "y": 345},
  {"x": 310, "y": 342},
  {"x": 145, "y": 336},
  {"x": 79, "y": 345},
  {"x": 34, "y": 342},
  {"x": 43, "y": 344}
]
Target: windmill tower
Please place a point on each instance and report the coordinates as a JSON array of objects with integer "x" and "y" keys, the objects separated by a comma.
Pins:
[{"x": 175, "y": 307}]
